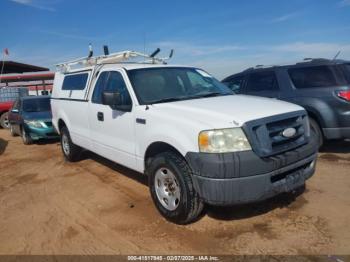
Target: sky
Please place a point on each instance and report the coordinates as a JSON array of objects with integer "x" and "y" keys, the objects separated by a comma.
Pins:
[{"x": 223, "y": 36}]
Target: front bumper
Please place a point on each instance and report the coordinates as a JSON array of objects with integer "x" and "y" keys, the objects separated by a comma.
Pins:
[
  {"x": 41, "y": 133},
  {"x": 337, "y": 133},
  {"x": 243, "y": 177}
]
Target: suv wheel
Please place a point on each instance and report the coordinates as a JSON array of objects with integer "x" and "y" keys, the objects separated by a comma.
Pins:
[
  {"x": 4, "y": 121},
  {"x": 70, "y": 151},
  {"x": 315, "y": 128},
  {"x": 27, "y": 140},
  {"x": 172, "y": 188}
]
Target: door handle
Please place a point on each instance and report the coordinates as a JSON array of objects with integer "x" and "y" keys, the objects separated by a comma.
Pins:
[{"x": 100, "y": 116}]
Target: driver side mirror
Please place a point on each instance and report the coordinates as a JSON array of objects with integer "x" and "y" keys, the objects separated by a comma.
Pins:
[
  {"x": 15, "y": 111},
  {"x": 115, "y": 101}
]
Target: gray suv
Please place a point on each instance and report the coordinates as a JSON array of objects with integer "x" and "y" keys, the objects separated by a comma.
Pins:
[{"x": 321, "y": 86}]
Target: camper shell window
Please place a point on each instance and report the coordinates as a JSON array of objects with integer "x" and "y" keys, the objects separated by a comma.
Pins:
[{"x": 75, "y": 82}]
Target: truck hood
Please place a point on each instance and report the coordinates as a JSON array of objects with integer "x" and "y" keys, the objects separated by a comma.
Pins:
[{"x": 222, "y": 111}]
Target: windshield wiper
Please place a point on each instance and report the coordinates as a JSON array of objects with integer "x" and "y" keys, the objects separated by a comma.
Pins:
[
  {"x": 165, "y": 100},
  {"x": 211, "y": 95}
]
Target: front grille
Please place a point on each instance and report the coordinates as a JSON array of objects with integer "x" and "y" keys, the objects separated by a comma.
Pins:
[
  {"x": 48, "y": 124},
  {"x": 266, "y": 135}
]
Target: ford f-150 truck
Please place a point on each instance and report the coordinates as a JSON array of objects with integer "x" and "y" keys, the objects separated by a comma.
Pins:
[{"x": 195, "y": 140}]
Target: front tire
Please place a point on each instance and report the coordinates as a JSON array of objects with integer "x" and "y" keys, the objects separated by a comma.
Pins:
[
  {"x": 12, "y": 131},
  {"x": 70, "y": 151},
  {"x": 172, "y": 190},
  {"x": 4, "y": 121},
  {"x": 27, "y": 140}
]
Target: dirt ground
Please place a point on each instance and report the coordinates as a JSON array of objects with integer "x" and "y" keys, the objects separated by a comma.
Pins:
[{"x": 48, "y": 206}]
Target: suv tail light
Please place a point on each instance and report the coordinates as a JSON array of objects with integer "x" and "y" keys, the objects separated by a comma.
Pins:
[{"x": 344, "y": 95}]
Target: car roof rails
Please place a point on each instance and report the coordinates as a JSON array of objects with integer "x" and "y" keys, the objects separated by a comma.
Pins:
[
  {"x": 113, "y": 58},
  {"x": 314, "y": 60}
]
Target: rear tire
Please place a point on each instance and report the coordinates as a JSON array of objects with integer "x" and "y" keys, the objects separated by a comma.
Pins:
[
  {"x": 70, "y": 151},
  {"x": 172, "y": 190},
  {"x": 27, "y": 140},
  {"x": 316, "y": 132},
  {"x": 4, "y": 121}
]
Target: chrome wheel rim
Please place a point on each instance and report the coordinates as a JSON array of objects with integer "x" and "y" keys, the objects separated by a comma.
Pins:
[
  {"x": 65, "y": 144},
  {"x": 7, "y": 122},
  {"x": 167, "y": 189}
]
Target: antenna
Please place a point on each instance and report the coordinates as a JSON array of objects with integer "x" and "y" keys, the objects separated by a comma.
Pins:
[
  {"x": 336, "y": 55},
  {"x": 105, "y": 50},
  {"x": 144, "y": 45}
]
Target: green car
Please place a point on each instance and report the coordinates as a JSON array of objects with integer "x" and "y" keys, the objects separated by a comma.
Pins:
[{"x": 30, "y": 117}]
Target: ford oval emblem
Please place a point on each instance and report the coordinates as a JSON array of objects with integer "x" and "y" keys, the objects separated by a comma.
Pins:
[{"x": 289, "y": 132}]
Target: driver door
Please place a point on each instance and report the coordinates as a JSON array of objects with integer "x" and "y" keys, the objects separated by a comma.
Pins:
[
  {"x": 111, "y": 131},
  {"x": 15, "y": 117}
]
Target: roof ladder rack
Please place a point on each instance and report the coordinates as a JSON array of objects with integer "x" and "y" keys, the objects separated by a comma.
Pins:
[{"x": 113, "y": 58}]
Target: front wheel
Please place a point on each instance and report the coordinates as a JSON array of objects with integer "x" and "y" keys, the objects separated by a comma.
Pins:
[
  {"x": 70, "y": 151},
  {"x": 4, "y": 121},
  {"x": 27, "y": 140},
  {"x": 172, "y": 190},
  {"x": 12, "y": 131}
]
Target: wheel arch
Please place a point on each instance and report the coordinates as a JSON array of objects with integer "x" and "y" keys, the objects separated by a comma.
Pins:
[
  {"x": 156, "y": 148},
  {"x": 60, "y": 124},
  {"x": 315, "y": 117}
]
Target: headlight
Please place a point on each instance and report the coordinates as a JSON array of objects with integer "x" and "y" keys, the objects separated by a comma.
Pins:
[
  {"x": 34, "y": 123},
  {"x": 223, "y": 140}
]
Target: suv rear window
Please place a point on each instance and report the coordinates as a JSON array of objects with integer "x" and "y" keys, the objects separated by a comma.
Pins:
[
  {"x": 75, "y": 82},
  {"x": 311, "y": 77}
]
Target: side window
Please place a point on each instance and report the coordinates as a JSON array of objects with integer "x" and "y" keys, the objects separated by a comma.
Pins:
[
  {"x": 99, "y": 87},
  {"x": 262, "y": 81},
  {"x": 75, "y": 82},
  {"x": 311, "y": 77},
  {"x": 113, "y": 82},
  {"x": 235, "y": 84}
]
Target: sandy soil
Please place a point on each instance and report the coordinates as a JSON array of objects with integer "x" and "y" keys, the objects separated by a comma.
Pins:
[{"x": 48, "y": 206}]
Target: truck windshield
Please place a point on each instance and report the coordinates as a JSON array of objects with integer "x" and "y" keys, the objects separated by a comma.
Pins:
[
  {"x": 36, "y": 105},
  {"x": 158, "y": 85}
]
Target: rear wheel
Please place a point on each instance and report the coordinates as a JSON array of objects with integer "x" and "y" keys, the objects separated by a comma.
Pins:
[
  {"x": 171, "y": 187},
  {"x": 316, "y": 132},
  {"x": 4, "y": 121},
  {"x": 70, "y": 151},
  {"x": 27, "y": 140}
]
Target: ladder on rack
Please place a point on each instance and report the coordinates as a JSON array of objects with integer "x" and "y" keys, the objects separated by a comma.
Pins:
[{"x": 118, "y": 57}]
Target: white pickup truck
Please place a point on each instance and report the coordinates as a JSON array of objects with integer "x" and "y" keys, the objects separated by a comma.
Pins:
[{"x": 197, "y": 141}]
